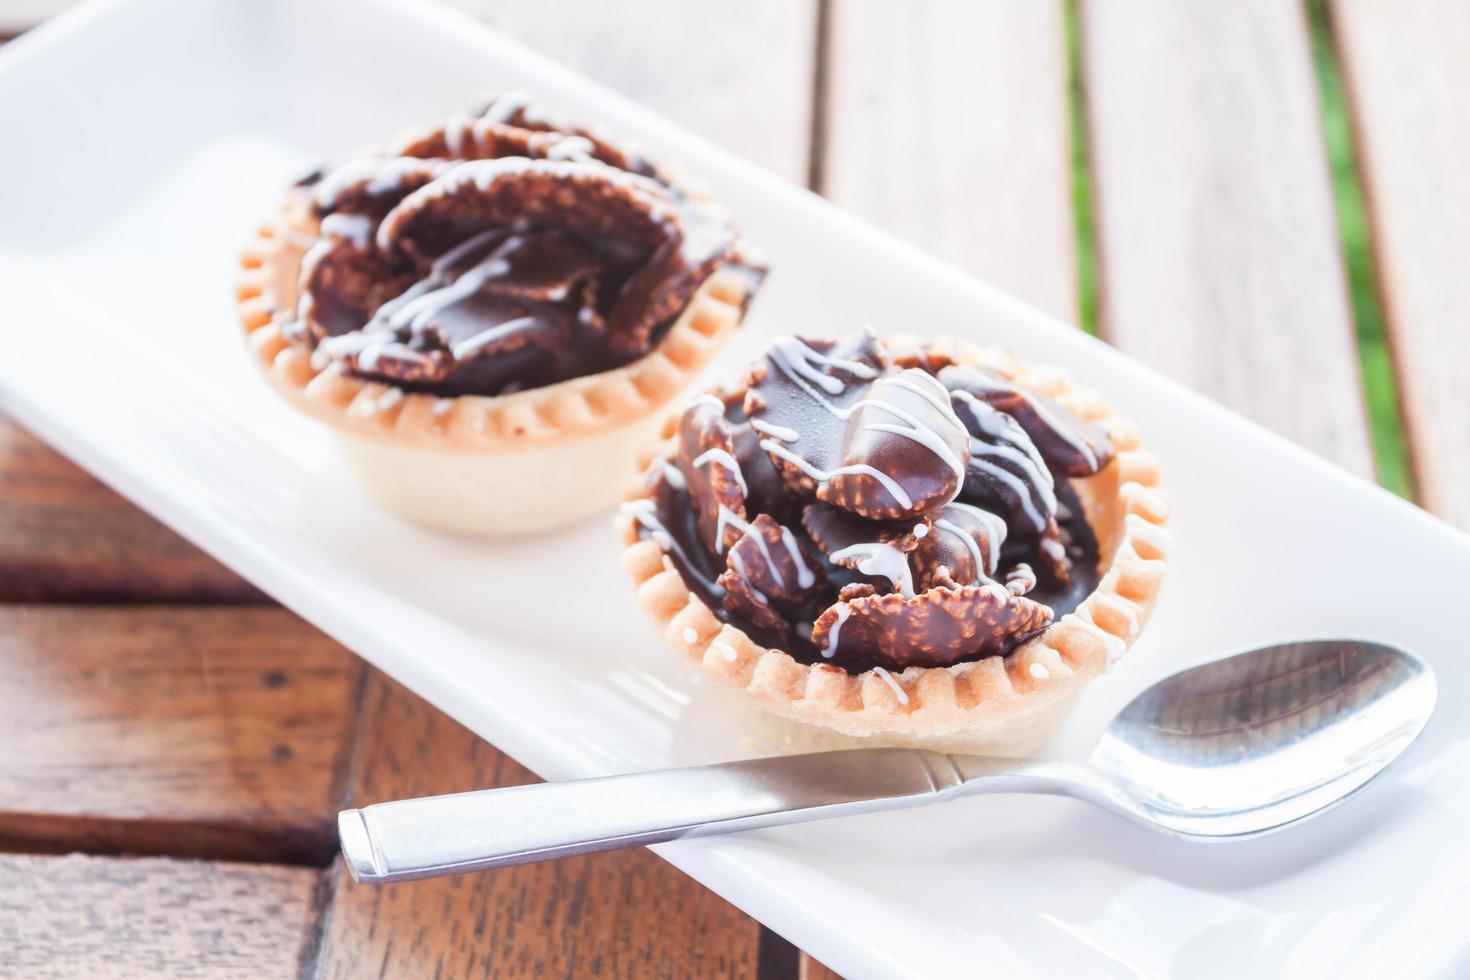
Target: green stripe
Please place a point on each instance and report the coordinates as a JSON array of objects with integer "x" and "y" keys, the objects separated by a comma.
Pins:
[
  {"x": 1375, "y": 361},
  {"x": 1083, "y": 227}
]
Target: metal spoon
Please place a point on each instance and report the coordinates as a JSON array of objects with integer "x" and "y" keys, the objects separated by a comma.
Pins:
[{"x": 1232, "y": 749}]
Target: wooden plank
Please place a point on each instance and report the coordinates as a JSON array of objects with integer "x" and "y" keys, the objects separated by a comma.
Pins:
[
  {"x": 82, "y": 916},
  {"x": 946, "y": 123},
  {"x": 1219, "y": 256},
  {"x": 1407, "y": 75},
  {"x": 620, "y": 914},
  {"x": 813, "y": 970},
  {"x": 738, "y": 73},
  {"x": 66, "y": 537},
  {"x": 217, "y": 732}
]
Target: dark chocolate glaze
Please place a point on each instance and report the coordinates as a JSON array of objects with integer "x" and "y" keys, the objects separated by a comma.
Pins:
[
  {"x": 499, "y": 252},
  {"x": 931, "y": 614}
]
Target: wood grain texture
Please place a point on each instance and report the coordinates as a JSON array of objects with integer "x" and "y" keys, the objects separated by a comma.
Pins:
[
  {"x": 1407, "y": 75},
  {"x": 813, "y": 970},
  {"x": 64, "y": 537},
  {"x": 216, "y": 732},
  {"x": 622, "y": 914},
  {"x": 120, "y": 918},
  {"x": 737, "y": 73},
  {"x": 1219, "y": 256},
  {"x": 947, "y": 124}
]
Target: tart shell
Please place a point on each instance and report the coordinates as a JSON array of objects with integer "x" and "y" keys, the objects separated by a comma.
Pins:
[
  {"x": 518, "y": 462},
  {"x": 997, "y": 705}
]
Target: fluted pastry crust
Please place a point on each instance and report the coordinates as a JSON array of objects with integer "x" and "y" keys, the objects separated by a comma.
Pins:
[
  {"x": 1127, "y": 510},
  {"x": 477, "y": 424}
]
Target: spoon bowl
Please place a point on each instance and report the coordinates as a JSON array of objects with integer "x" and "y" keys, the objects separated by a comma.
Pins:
[
  {"x": 1231, "y": 749},
  {"x": 1255, "y": 742}
]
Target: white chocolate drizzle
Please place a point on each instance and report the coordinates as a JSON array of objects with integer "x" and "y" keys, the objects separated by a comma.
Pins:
[
  {"x": 805, "y": 577},
  {"x": 1063, "y": 433},
  {"x": 800, "y": 363},
  {"x": 473, "y": 345},
  {"x": 823, "y": 476},
  {"x": 570, "y": 148},
  {"x": 995, "y": 533},
  {"x": 645, "y": 512},
  {"x": 897, "y": 688},
  {"x": 912, "y": 428},
  {"x": 672, "y": 475},
  {"x": 723, "y": 458},
  {"x": 995, "y": 529},
  {"x": 355, "y": 228},
  {"x": 378, "y": 175},
  {"x": 843, "y": 611},
  {"x": 388, "y": 399},
  {"x": 1114, "y": 645},
  {"x": 419, "y": 304},
  {"x": 782, "y": 432},
  {"x": 705, "y": 399},
  {"x": 1020, "y": 580},
  {"x": 1037, "y": 491},
  {"x": 738, "y": 564},
  {"x": 982, "y": 568},
  {"x": 454, "y": 133},
  {"x": 876, "y": 558}
]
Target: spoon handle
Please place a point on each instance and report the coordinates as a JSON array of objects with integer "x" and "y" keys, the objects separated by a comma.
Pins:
[{"x": 443, "y": 835}]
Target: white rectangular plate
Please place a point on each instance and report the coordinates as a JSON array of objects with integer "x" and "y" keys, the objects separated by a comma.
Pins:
[{"x": 145, "y": 138}]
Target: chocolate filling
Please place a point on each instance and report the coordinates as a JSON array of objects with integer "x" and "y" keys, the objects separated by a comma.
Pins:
[
  {"x": 501, "y": 251},
  {"x": 871, "y": 508}
]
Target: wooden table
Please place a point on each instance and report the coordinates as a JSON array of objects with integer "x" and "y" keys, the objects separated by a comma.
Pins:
[{"x": 1179, "y": 177}]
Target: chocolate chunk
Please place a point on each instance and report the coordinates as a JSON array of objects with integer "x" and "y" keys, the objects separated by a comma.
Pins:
[
  {"x": 1067, "y": 443},
  {"x": 876, "y": 550},
  {"x": 903, "y": 450},
  {"x": 769, "y": 557},
  {"x": 840, "y": 430},
  {"x": 769, "y": 577},
  {"x": 833, "y": 529},
  {"x": 341, "y": 287},
  {"x": 763, "y": 487},
  {"x": 310, "y": 175},
  {"x": 500, "y": 251},
  {"x": 494, "y": 295},
  {"x": 372, "y": 186},
  {"x": 796, "y": 399},
  {"x": 934, "y": 629},
  {"x": 1006, "y": 474},
  {"x": 510, "y": 125},
  {"x": 961, "y": 545},
  {"x": 716, "y": 482},
  {"x": 744, "y": 599},
  {"x": 918, "y": 354},
  {"x": 652, "y": 268}
]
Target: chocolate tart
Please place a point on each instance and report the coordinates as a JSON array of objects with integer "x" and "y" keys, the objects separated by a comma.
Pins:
[
  {"x": 900, "y": 541},
  {"x": 493, "y": 313}
]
